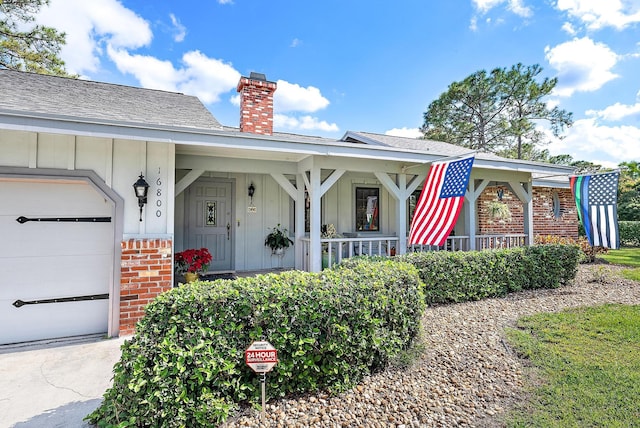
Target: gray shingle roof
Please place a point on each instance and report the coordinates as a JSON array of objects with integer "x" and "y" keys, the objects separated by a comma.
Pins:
[
  {"x": 83, "y": 99},
  {"x": 438, "y": 148}
]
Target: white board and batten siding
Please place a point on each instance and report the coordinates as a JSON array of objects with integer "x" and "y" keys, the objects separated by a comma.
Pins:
[{"x": 49, "y": 260}]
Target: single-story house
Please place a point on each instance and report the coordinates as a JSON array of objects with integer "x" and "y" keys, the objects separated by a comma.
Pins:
[{"x": 81, "y": 253}]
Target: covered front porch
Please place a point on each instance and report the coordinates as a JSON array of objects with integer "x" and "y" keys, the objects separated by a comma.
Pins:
[{"x": 367, "y": 193}]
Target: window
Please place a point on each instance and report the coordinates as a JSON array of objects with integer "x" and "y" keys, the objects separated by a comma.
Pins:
[
  {"x": 367, "y": 209},
  {"x": 412, "y": 201},
  {"x": 557, "y": 208}
]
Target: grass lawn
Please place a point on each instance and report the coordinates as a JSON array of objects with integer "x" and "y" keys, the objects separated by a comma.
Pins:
[
  {"x": 626, "y": 257},
  {"x": 586, "y": 367}
]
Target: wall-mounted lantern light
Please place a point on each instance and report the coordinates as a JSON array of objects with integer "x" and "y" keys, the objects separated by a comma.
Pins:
[
  {"x": 500, "y": 193},
  {"x": 251, "y": 190},
  {"x": 141, "y": 187}
]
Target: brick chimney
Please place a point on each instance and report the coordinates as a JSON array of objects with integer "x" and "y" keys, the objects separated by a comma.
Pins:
[{"x": 256, "y": 104}]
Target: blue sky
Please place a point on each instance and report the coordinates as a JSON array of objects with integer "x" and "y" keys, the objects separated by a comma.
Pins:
[{"x": 368, "y": 65}]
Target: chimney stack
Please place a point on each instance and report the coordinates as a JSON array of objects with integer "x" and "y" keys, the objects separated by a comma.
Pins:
[{"x": 256, "y": 104}]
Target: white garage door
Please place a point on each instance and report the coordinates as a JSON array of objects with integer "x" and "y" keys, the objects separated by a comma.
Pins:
[{"x": 54, "y": 271}]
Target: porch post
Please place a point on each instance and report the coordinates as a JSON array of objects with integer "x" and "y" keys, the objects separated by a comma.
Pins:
[
  {"x": 528, "y": 212},
  {"x": 470, "y": 214},
  {"x": 401, "y": 213},
  {"x": 299, "y": 222},
  {"x": 315, "y": 247}
]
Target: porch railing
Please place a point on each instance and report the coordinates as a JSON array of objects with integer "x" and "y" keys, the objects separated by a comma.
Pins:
[
  {"x": 492, "y": 242},
  {"x": 453, "y": 243},
  {"x": 336, "y": 249}
]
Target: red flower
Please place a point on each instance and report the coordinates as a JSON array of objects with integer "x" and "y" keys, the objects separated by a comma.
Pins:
[{"x": 193, "y": 260}]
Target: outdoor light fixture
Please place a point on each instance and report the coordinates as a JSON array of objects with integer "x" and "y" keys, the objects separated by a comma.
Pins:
[
  {"x": 251, "y": 190},
  {"x": 141, "y": 187},
  {"x": 500, "y": 193}
]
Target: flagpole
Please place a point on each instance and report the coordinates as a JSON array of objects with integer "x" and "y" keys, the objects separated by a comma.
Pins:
[{"x": 446, "y": 158}]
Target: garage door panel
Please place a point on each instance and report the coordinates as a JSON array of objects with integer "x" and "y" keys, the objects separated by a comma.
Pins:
[
  {"x": 48, "y": 320},
  {"x": 56, "y": 199},
  {"x": 42, "y": 260},
  {"x": 47, "y": 277},
  {"x": 63, "y": 239}
]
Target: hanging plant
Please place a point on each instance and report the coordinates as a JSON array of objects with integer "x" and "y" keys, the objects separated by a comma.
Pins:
[
  {"x": 499, "y": 210},
  {"x": 278, "y": 239}
]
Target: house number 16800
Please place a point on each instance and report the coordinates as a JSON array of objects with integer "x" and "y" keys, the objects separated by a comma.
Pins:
[{"x": 159, "y": 194}]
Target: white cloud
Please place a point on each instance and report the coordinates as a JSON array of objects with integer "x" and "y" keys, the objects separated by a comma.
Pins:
[
  {"x": 473, "y": 25},
  {"x": 515, "y": 6},
  {"x": 207, "y": 78},
  {"x": 604, "y": 145},
  {"x": 92, "y": 25},
  {"x": 616, "y": 112},
  {"x": 582, "y": 65},
  {"x": 235, "y": 100},
  {"x": 596, "y": 14},
  {"x": 569, "y": 29},
  {"x": 179, "y": 30},
  {"x": 225, "y": 1},
  {"x": 295, "y": 43},
  {"x": 405, "y": 132},
  {"x": 293, "y": 97},
  {"x": 304, "y": 123}
]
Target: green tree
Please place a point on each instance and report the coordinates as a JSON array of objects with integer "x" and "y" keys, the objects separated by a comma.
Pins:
[
  {"x": 497, "y": 112},
  {"x": 469, "y": 114},
  {"x": 629, "y": 191},
  {"x": 25, "y": 46}
]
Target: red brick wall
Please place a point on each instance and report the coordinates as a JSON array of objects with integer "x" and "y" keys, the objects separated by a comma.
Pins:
[
  {"x": 544, "y": 220},
  {"x": 145, "y": 273},
  {"x": 256, "y": 105}
]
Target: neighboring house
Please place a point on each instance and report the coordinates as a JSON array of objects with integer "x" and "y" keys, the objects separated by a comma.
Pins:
[{"x": 88, "y": 259}]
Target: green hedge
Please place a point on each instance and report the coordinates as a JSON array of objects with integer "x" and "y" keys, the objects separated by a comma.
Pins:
[
  {"x": 629, "y": 233},
  {"x": 451, "y": 277},
  {"x": 185, "y": 365}
]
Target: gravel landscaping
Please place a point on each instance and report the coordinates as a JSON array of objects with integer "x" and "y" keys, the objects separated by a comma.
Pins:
[{"x": 467, "y": 375}]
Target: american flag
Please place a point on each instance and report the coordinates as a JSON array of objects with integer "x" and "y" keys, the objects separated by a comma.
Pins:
[
  {"x": 596, "y": 200},
  {"x": 440, "y": 202}
]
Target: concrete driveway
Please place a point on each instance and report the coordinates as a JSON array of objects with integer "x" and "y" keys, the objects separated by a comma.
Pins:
[{"x": 57, "y": 383}]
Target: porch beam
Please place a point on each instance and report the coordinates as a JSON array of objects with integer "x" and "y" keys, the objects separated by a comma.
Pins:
[
  {"x": 475, "y": 194},
  {"x": 415, "y": 182},
  {"x": 331, "y": 180},
  {"x": 185, "y": 181},
  {"x": 285, "y": 184},
  {"x": 387, "y": 182},
  {"x": 521, "y": 190},
  {"x": 245, "y": 166}
]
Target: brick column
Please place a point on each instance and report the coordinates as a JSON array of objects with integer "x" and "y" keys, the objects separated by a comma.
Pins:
[{"x": 145, "y": 273}]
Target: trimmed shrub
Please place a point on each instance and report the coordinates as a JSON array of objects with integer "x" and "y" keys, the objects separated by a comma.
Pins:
[
  {"x": 452, "y": 277},
  {"x": 629, "y": 233},
  {"x": 589, "y": 252},
  {"x": 185, "y": 365}
]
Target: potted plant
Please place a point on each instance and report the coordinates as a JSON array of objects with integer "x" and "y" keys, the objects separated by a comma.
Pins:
[
  {"x": 192, "y": 262},
  {"x": 278, "y": 240},
  {"x": 499, "y": 210},
  {"x": 328, "y": 231}
]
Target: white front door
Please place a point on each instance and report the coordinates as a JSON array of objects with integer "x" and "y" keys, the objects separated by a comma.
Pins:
[
  {"x": 210, "y": 221},
  {"x": 56, "y": 262}
]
